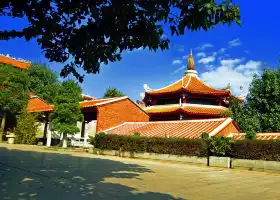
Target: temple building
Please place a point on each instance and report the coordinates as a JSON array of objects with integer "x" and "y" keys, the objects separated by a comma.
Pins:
[{"x": 187, "y": 98}]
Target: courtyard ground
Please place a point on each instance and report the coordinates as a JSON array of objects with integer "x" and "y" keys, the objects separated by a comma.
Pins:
[{"x": 30, "y": 172}]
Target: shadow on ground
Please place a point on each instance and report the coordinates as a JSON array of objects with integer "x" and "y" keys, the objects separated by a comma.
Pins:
[{"x": 50, "y": 176}]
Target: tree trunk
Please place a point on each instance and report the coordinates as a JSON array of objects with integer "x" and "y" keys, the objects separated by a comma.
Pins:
[
  {"x": 3, "y": 123},
  {"x": 64, "y": 140}
]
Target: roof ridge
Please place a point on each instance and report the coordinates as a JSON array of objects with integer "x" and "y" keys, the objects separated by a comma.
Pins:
[
  {"x": 168, "y": 85},
  {"x": 178, "y": 121},
  {"x": 112, "y": 100},
  {"x": 188, "y": 82},
  {"x": 226, "y": 122}
]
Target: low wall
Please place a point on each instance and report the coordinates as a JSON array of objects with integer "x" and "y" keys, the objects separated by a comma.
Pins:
[
  {"x": 224, "y": 162},
  {"x": 256, "y": 165},
  {"x": 186, "y": 159},
  {"x": 219, "y": 162}
]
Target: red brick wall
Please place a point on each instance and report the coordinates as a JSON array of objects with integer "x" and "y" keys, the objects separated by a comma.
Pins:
[{"x": 113, "y": 114}]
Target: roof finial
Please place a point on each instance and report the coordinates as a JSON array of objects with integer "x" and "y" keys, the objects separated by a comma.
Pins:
[
  {"x": 191, "y": 66},
  {"x": 191, "y": 62}
]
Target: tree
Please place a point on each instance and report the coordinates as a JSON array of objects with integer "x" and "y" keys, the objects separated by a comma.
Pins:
[
  {"x": 113, "y": 92},
  {"x": 43, "y": 82},
  {"x": 14, "y": 92},
  {"x": 87, "y": 33},
  {"x": 261, "y": 110},
  {"x": 67, "y": 110},
  {"x": 26, "y": 128}
]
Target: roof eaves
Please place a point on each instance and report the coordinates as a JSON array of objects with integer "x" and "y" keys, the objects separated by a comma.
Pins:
[{"x": 151, "y": 91}]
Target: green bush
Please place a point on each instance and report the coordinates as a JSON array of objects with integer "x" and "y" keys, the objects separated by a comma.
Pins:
[
  {"x": 257, "y": 150},
  {"x": 220, "y": 146},
  {"x": 26, "y": 128},
  {"x": 176, "y": 146}
]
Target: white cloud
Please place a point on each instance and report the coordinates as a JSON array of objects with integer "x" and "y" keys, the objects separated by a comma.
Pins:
[
  {"x": 246, "y": 51},
  {"x": 230, "y": 62},
  {"x": 250, "y": 65},
  {"x": 176, "y": 62},
  {"x": 201, "y": 54},
  {"x": 204, "y": 46},
  {"x": 235, "y": 42},
  {"x": 207, "y": 60},
  {"x": 179, "y": 69},
  {"x": 228, "y": 73},
  {"x": 222, "y": 50}
]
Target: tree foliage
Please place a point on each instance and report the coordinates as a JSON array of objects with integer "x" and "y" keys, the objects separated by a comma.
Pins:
[
  {"x": 26, "y": 128},
  {"x": 113, "y": 92},
  {"x": 13, "y": 92},
  {"x": 43, "y": 82},
  {"x": 14, "y": 89},
  {"x": 87, "y": 33},
  {"x": 67, "y": 110},
  {"x": 261, "y": 111}
]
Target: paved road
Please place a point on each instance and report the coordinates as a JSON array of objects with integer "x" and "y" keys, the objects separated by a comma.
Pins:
[{"x": 33, "y": 173}]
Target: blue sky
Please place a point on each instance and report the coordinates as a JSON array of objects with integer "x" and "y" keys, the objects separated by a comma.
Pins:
[{"x": 222, "y": 55}]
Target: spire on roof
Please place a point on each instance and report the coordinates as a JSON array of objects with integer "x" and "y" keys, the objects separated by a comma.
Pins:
[
  {"x": 191, "y": 62},
  {"x": 191, "y": 65}
]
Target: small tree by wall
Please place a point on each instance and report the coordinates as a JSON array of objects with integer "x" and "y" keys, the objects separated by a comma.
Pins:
[
  {"x": 13, "y": 92},
  {"x": 26, "y": 128},
  {"x": 67, "y": 110}
]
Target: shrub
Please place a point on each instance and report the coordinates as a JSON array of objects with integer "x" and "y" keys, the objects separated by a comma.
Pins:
[
  {"x": 176, "y": 146},
  {"x": 220, "y": 146},
  {"x": 137, "y": 134},
  {"x": 204, "y": 136},
  {"x": 257, "y": 150},
  {"x": 26, "y": 128}
]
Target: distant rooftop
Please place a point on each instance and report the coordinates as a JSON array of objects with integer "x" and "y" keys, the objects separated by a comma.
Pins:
[{"x": 16, "y": 62}]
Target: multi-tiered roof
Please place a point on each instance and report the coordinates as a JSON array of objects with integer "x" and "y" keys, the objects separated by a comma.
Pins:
[{"x": 187, "y": 89}]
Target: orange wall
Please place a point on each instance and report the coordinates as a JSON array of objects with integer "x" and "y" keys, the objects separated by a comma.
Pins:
[{"x": 113, "y": 114}]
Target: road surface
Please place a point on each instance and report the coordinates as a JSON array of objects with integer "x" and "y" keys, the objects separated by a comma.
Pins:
[{"x": 28, "y": 172}]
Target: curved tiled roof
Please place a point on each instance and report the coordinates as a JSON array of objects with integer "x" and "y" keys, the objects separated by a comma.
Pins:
[
  {"x": 192, "y": 84},
  {"x": 35, "y": 104},
  {"x": 172, "y": 129},
  {"x": 97, "y": 102},
  {"x": 192, "y": 109},
  {"x": 16, "y": 63}
]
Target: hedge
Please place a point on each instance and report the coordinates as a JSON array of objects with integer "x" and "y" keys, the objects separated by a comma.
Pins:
[
  {"x": 175, "y": 146},
  {"x": 257, "y": 150},
  {"x": 217, "y": 146}
]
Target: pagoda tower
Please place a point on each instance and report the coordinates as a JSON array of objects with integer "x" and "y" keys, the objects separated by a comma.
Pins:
[{"x": 187, "y": 98}]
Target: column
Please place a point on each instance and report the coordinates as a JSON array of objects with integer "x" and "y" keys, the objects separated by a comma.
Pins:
[
  {"x": 184, "y": 98},
  {"x": 49, "y": 138}
]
